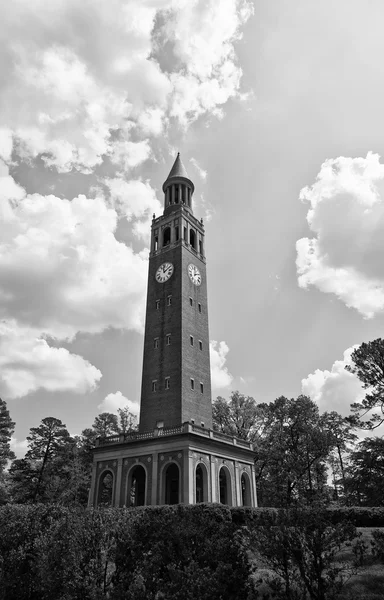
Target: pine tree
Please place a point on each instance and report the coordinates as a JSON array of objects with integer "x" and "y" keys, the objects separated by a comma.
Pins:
[
  {"x": 47, "y": 442},
  {"x": 7, "y": 427}
]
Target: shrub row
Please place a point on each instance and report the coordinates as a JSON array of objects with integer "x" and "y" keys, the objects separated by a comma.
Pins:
[
  {"x": 357, "y": 516},
  {"x": 179, "y": 552}
]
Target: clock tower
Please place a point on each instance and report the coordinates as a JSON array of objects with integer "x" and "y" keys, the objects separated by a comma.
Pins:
[
  {"x": 176, "y": 455},
  {"x": 176, "y": 381}
]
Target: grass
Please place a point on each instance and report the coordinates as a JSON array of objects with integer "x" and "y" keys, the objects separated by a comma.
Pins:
[{"x": 368, "y": 583}]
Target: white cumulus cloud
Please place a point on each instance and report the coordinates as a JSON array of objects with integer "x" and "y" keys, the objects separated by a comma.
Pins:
[
  {"x": 336, "y": 389},
  {"x": 63, "y": 271},
  {"x": 346, "y": 216},
  {"x": 28, "y": 363},
  {"x": 86, "y": 80},
  {"x": 220, "y": 376},
  {"x": 113, "y": 402}
]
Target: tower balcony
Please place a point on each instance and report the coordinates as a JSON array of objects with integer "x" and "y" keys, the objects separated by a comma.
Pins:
[{"x": 189, "y": 428}]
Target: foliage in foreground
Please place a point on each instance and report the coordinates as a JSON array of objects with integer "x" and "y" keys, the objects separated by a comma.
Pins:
[
  {"x": 300, "y": 549},
  {"x": 198, "y": 552},
  {"x": 183, "y": 552}
]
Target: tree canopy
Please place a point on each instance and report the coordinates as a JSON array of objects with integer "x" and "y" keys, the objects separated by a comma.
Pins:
[{"x": 368, "y": 366}]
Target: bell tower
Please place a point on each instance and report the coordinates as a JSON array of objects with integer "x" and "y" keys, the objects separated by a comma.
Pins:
[
  {"x": 176, "y": 380},
  {"x": 176, "y": 456}
]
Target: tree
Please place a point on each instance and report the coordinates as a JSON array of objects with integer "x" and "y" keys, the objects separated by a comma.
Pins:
[
  {"x": 127, "y": 420},
  {"x": 24, "y": 475},
  {"x": 341, "y": 438},
  {"x": 291, "y": 453},
  {"x": 301, "y": 550},
  {"x": 46, "y": 442},
  {"x": 368, "y": 366},
  {"x": 7, "y": 427},
  {"x": 106, "y": 424},
  {"x": 238, "y": 417},
  {"x": 365, "y": 474}
]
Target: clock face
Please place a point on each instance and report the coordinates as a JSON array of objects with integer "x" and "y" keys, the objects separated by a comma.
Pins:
[
  {"x": 194, "y": 274},
  {"x": 164, "y": 272}
]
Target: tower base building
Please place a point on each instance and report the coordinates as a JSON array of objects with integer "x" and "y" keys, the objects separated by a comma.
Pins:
[{"x": 175, "y": 456}]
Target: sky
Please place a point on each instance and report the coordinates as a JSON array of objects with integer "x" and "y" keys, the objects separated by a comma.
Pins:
[{"x": 277, "y": 111}]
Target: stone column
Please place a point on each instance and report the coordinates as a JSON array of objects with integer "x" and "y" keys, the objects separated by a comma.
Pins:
[
  {"x": 238, "y": 484},
  {"x": 91, "y": 496},
  {"x": 180, "y": 194},
  {"x": 155, "y": 465},
  {"x": 253, "y": 486},
  {"x": 118, "y": 481},
  {"x": 172, "y": 194},
  {"x": 213, "y": 480},
  {"x": 188, "y": 477}
]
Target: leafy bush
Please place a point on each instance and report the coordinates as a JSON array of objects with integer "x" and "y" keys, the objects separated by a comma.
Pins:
[
  {"x": 359, "y": 516},
  {"x": 301, "y": 549},
  {"x": 49, "y": 552},
  {"x": 181, "y": 552},
  {"x": 378, "y": 544}
]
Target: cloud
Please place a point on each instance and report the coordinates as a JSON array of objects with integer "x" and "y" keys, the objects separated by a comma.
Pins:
[
  {"x": 62, "y": 270},
  {"x": 28, "y": 363},
  {"x": 220, "y": 376},
  {"x": 202, "y": 173},
  {"x": 113, "y": 402},
  {"x": 134, "y": 200},
  {"x": 336, "y": 389},
  {"x": 87, "y": 80},
  {"x": 19, "y": 447},
  {"x": 346, "y": 215},
  {"x": 88, "y": 86}
]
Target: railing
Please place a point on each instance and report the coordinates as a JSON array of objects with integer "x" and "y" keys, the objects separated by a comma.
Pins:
[
  {"x": 200, "y": 430},
  {"x": 171, "y": 430},
  {"x": 222, "y": 436},
  {"x": 134, "y": 436}
]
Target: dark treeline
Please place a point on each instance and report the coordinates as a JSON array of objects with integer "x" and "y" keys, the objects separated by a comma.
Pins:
[{"x": 57, "y": 466}]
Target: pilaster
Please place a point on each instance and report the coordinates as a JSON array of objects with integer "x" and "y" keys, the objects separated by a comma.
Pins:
[{"x": 118, "y": 481}]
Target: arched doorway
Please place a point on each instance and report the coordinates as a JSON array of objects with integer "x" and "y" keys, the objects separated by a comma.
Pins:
[
  {"x": 201, "y": 484},
  {"x": 225, "y": 487},
  {"x": 105, "y": 493},
  {"x": 246, "y": 498},
  {"x": 137, "y": 479},
  {"x": 172, "y": 480}
]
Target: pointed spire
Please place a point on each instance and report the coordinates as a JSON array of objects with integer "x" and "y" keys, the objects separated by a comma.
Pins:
[{"x": 178, "y": 170}]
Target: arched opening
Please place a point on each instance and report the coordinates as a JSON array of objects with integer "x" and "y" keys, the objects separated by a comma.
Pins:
[
  {"x": 167, "y": 236},
  {"x": 225, "y": 486},
  {"x": 192, "y": 238},
  {"x": 105, "y": 494},
  {"x": 246, "y": 498},
  {"x": 176, "y": 188},
  {"x": 172, "y": 477},
  {"x": 137, "y": 486},
  {"x": 201, "y": 484},
  {"x": 183, "y": 194}
]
